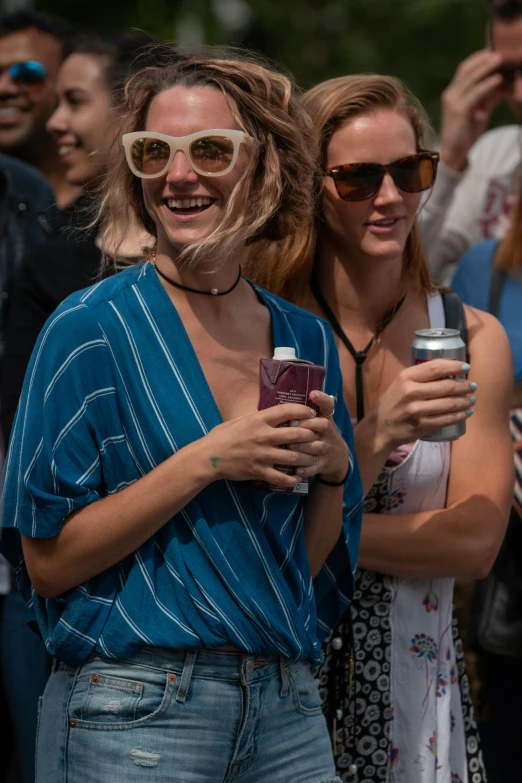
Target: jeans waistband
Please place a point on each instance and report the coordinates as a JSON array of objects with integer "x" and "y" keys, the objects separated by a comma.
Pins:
[{"x": 213, "y": 664}]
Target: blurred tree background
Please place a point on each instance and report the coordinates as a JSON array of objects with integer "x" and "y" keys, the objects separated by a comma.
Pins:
[{"x": 420, "y": 41}]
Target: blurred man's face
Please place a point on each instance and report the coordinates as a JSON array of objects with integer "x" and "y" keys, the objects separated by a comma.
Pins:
[
  {"x": 507, "y": 40},
  {"x": 25, "y": 106}
]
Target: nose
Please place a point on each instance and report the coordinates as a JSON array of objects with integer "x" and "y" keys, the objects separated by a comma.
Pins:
[
  {"x": 180, "y": 170},
  {"x": 388, "y": 193},
  {"x": 7, "y": 85},
  {"x": 58, "y": 122}
]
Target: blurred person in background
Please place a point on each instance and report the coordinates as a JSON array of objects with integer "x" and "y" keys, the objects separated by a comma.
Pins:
[
  {"x": 89, "y": 87},
  {"x": 478, "y": 174},
  {"x": 489, "y": 277},
  {"x": 33, "y": 45},
  {"x": 26, "y": 201},
  {"x": 85, "y": 127},
  {"x": 183, "y": 604},
  {"x": 433, "y": 510},
  {"x": 26, "y": 213}
]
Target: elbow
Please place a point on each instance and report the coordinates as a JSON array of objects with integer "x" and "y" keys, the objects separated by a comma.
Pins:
[
  {"x": 46, "y": 567},
  {"x": 483, "y": 558},
  {"x": 480, "y": 570},
  {"x": 46, "y": 582},
  {"x": 44, "y": 587},
  {"x": 480, "y": 543}
]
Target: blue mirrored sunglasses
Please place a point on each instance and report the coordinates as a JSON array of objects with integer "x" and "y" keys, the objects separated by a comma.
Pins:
[{"x": 29, "y": 72}]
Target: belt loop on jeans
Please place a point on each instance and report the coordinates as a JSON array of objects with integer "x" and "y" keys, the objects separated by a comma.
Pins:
[
  {"x": 285, "y": 682},
  {"x": 186, "y": 676}
]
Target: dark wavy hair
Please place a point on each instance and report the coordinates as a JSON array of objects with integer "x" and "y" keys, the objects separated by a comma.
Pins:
[
  {"x": 121, "y": 56},
  {"x": 504, "y": 9},
  {"x": 61, "y": 29}
]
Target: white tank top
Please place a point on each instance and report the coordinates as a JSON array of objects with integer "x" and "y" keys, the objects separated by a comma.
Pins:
[{"x": 427, "y": 727}]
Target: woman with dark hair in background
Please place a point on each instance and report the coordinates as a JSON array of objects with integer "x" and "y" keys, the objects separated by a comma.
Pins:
[
  {"x": 85, "y": 124},
  {"x": 184, "y": 604},
  {"x": 434, "y": 510},
  {"x": 90, "y": 90},
  {"x": 489, "y": 277}
]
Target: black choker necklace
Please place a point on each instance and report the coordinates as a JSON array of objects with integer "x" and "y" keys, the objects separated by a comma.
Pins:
[{"x": 212, "y": 292}]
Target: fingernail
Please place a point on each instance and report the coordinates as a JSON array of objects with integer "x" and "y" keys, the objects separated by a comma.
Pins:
[
  {"x": 294, "y": 423},
  {"x": 314, "y": 413},
  {"x": 299, "y": 471},
  {"x": 314, "y": 395},
  {"x": 466, "y": 367},
  {"x": 473, "y": 400},
  {"x": 292, "y": 446},
  {"x": 470, "y": 412},
  {"x": 473, "y": 386}
]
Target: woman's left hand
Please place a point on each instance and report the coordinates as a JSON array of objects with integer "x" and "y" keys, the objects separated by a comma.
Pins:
[{"x": 329, "y": 450}]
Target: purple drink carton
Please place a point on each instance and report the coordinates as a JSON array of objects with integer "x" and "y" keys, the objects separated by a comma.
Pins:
[{"x": 285, "y": 378}]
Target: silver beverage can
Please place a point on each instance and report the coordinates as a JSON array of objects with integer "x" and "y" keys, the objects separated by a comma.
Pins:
[{"x": 440, "y": 344}]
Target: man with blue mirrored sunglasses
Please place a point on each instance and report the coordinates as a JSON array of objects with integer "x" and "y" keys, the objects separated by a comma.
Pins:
[{"x": 32, "y": 48}]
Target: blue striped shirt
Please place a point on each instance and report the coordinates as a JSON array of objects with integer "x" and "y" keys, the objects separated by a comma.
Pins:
[{"x": 114, "y": 388}]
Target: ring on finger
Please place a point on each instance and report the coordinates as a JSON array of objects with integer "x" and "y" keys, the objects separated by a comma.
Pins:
[{"x": 334, "y": 401}]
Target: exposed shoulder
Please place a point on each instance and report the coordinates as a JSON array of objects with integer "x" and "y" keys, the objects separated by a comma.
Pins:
[{"x": 488, "y": 344}]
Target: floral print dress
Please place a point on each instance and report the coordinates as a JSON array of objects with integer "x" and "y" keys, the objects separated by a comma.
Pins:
[{"x": 413, "y": 714}]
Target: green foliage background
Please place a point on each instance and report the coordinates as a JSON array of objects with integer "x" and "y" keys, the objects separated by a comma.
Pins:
[{"x": 420, "y": 41}]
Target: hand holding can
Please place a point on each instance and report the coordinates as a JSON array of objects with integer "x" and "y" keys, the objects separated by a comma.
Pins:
[{"x": 440, "y": 343}]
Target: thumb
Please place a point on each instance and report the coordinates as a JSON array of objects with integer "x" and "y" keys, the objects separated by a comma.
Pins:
[{"x": 324, "y": 402}]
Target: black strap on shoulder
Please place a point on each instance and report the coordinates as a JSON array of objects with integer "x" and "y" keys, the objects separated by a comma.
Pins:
[
  {"x": 455, "y": 316},
  {"x": 498, "y": 278}
]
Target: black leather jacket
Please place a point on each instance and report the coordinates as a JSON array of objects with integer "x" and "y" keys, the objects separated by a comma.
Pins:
[{"x": 27, "y": 217}]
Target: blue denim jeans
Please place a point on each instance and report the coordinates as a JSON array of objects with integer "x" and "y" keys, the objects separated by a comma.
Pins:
[{"x": 183, "y": 717}]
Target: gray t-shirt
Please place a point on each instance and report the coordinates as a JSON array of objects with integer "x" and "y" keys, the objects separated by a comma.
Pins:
[{"x": 465, "y": 208}]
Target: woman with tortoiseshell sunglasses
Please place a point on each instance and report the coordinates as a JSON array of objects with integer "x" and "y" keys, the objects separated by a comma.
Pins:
[{"x": 434, "y": 510}]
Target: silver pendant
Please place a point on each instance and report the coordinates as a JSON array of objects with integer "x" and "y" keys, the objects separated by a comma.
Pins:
[
  {"x": 337, "y": 642},
  {"x": 214, "y": 291}
]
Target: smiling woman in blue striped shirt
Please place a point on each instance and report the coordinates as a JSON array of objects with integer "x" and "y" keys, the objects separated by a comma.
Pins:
[{"x": 183, "y": 605}]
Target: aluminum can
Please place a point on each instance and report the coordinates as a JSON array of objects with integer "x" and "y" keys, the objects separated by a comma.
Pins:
[{"x": 440, "y": 344}]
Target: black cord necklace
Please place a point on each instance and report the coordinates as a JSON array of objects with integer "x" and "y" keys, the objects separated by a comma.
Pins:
[
  {"x": 359, "y": 356},
  {"x": 212, "y": 292}
]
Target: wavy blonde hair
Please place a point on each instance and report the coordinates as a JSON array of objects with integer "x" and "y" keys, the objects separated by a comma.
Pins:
[
  {"x": 330, "y": 104},
  {"x": 275, "y": 190}
]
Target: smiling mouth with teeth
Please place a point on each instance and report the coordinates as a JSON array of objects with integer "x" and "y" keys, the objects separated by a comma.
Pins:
[
  {"x": 384, "y": 222},
  {"x": 189, "y": 205}
]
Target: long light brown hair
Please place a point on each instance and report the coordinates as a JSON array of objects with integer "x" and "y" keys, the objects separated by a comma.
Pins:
[
  {"x": 509, "y": 254},
  {"x": 274, "y": 192},
  {"x": 288, "y": 264}
]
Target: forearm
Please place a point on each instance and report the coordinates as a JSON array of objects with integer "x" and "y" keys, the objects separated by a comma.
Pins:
[
  {"x": 461, "y": 541},
  {"x": 442, "y": 240},
  {"x": 105, "y": 532},
  {"x": 371, "y": 449},
  {"x": 323, "y": 523}
]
